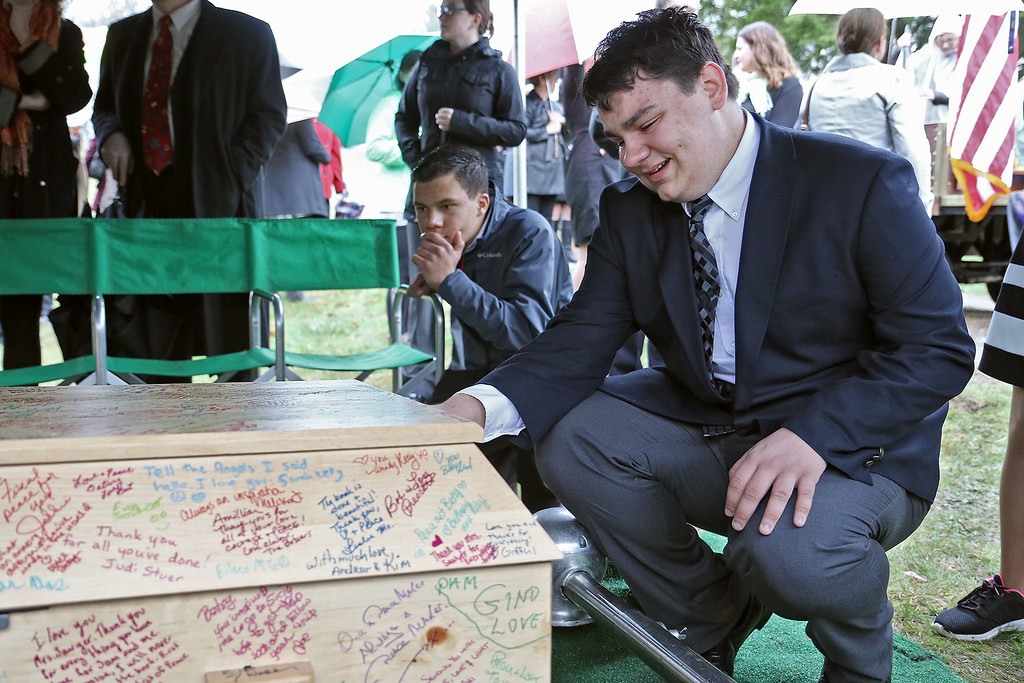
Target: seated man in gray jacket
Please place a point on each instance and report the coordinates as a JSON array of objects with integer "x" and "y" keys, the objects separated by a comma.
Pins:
[{"x": 502, "y": 270}]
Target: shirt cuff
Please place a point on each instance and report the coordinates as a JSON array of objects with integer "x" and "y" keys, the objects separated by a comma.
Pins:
[{"x": 500, "y": 416}]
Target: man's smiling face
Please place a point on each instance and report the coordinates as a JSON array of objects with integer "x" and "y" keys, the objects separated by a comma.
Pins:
[{"x": 669, "y": 139}]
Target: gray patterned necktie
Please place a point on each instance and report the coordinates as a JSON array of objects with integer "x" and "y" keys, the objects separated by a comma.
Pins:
[{"x": 705, "y": 273}]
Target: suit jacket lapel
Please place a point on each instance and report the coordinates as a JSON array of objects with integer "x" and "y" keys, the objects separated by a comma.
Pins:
[
  {"x": 204, "y": 49},
  {"x": 675, "y": 276},
  {"x": 764, "y": 242},
  {"x": 133, "y": 82}
]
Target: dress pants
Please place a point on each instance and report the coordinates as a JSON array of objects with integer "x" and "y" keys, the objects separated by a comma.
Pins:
[
  {"x": 640, "y": 483},
  {"x": 175, "y": 327},
  {"x": 19, "y": 320}
]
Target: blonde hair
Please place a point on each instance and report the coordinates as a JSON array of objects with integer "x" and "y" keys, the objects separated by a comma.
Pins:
[{"x": 770, "y": 52}]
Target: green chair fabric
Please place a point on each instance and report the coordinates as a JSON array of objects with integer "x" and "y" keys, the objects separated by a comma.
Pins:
[
  {"x": 182, "y": 256},
  {"x": 392, "y": 356},
  {"x": 69, "y": 369},
  {"x": 221, "y": 364}
]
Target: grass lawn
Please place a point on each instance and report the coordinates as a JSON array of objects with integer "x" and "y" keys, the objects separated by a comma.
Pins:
[{"x": 956, "y": 547}]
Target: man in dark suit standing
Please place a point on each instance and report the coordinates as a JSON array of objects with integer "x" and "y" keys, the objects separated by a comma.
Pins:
[
  {"x": 812, "y": 335},
  {"x": 188, "y": 111}
]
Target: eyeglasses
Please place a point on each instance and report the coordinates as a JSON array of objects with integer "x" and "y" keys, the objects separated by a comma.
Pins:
[{"x": 443, "y": 11}]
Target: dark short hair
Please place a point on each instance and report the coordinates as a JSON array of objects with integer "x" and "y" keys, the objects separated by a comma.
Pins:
[
  {"x": 409, "y": 60},
  {"x": 660, "y": 44},
  {"x": 466, "y": 163}
]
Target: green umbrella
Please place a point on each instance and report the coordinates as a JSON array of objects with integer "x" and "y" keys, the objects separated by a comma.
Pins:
[{"x": 358, "y": 86}]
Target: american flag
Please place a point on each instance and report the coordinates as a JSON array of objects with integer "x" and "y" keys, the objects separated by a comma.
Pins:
[{"x": 981, "y": 130}]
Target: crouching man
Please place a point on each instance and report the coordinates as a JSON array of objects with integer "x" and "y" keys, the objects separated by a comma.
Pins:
[{"x": 812, "y": 334}]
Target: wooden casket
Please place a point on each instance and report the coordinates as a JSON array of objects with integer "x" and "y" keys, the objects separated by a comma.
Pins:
[{"x": 284, "y": 532}]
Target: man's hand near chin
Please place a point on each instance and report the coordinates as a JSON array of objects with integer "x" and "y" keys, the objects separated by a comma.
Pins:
[
  {"x": 465, "y": 406},
  {"x": 419, "y": 287}
]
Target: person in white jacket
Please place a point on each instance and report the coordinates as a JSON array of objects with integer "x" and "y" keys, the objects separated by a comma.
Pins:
[{"x": 860, "y": 97}]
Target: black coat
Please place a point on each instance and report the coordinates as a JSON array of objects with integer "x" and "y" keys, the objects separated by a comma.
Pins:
[
  {"x": 481, "y": 88},
  {"x": 545, "y": 154},
  {"x": 51, "y": 188},
  {"x": 227, "y": 102},
  {"x": 294, "y": 186},
  {"x": 786, "y": 101}
]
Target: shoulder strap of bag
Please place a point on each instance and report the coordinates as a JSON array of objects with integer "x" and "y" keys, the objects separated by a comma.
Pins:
[{"x": 804, "y": 125}]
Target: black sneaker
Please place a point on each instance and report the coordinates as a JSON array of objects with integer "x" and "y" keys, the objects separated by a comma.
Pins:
[{"x": 987, "y": 611}]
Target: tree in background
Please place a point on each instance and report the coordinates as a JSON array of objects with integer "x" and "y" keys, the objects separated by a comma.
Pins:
[{"x": 811, "y": 38}]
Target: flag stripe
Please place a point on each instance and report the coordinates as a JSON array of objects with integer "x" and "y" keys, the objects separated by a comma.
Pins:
[
  {"x": 983, "y": 69},
  {"x": 981, "y": 127}
]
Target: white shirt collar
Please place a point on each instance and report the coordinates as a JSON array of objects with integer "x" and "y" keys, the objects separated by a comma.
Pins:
[
  {"x": 733, "y": 185},
  {"x": 180, "y": 17}
]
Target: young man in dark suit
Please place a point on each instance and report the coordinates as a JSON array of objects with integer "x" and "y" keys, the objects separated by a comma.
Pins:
[
  {"x": 188, "y": 111},
  {"x": 812, "y": 335}
]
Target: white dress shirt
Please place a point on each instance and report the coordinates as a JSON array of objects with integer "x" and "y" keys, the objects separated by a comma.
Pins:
[
  {"x": 723, "y": 226},
  {"x": 183, "y": 23}
]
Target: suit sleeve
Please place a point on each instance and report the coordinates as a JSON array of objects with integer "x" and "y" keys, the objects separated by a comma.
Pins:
[
  {"x": 105, "y": 121},
  {"x": 921, "y": 353},
  {"x": 510, "y": 318},
  {"x": 507, "y": 127},
  {"x": 265, "y": 116},
  {"x": 570, "y": 360}
]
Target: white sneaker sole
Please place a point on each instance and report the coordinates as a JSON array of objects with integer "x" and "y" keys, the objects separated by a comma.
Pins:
[{"x": 977, "y": 637}]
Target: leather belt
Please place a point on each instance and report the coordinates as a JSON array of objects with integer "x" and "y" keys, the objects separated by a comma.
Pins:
[{"x": 716, "y": 430}]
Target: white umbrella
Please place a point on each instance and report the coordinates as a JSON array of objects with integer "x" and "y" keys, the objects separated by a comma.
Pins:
[
  {"x": 325, "y": 34},
  {"x": 305, "y": 92},
  {"x": 909, "y": 8}
]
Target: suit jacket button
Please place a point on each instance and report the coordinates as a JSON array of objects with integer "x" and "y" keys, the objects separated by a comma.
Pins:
[{"x": 873, "y": 460}]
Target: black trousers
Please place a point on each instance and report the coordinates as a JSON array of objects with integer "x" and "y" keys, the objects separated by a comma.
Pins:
[
  {"x": 516, "y": 465},
  {"x": 19, "y": 320}
]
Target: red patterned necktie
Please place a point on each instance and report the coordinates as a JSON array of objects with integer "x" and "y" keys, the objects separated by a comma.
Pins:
[{"x": 156, "y": 130}]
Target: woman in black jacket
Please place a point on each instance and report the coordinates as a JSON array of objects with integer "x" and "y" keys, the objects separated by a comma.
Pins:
[
  {"x": 545, "y": 145},
  {"x": 462, "y": 91},
  {"x": 42, "y": 81},
  {"x": 761, "y": 51}
]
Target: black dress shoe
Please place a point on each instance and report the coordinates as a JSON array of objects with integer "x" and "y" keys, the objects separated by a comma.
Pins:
[{"x": 723, "y": 655}]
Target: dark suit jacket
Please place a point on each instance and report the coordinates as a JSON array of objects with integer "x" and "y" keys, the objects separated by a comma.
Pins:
[
  {"x": 227, "y": 105},
  {"x": 849, "y": 325}
]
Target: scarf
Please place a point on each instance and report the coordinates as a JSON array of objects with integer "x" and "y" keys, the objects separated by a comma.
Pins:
[{"x": 16, "y": 139}]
